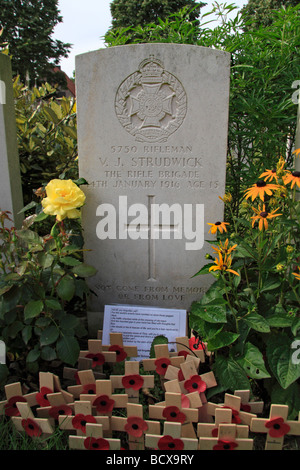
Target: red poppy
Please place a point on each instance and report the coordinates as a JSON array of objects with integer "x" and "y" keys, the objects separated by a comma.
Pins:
[
  {"x": 79, "y": 421},
  {"x": 93, "y": 443},
  {"x": 168, "y": 443},
  {"x": 134, "y": 381},
  {"x": 103, "y": 404},
  {"x": 41, "y": 396},
  {"x": 60, "y": 410},
  {"x": 215, "y": 432},
  {"x": 172, "y": 413},
  {"x": 185, "y": 402},
  {"x": 180, "y": 375},
  {"x": 235, "y": 415},
  {"x": 277, "y": 427},
  {"x": 31, "y": 427},
  {"x": 77, "y": 379},
  {"x": 183, "y": 353},
  {"x": 120, "y": 353},
  {"x": 225, "y": 445},
  {"x": 195, "y": 384},
  {"x": 161, "y": 365},
  {"x": 135, "y": 426},
  {"x": 246, "y": 408},
  {"x": 195, "y": 343},
  {"x": 98, "y": 359},
  {"x": 10, "y": 407},
  {"x": 89, "y": 389}
]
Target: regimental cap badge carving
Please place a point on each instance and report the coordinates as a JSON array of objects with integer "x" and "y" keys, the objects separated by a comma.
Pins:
[{"x": 151, "y": 103}]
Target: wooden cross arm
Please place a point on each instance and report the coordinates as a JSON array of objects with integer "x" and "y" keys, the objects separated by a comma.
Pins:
[
  {"x": 151, "y": 441},
  {"x": 209, "y": 443},
  {"x": 65, "y": 422},
  {"x": 121, "y": 400},
  {"x": 118, "y": 423},
  {"x": 116, "y": 381},
  {"x": 77, "y": 443}
]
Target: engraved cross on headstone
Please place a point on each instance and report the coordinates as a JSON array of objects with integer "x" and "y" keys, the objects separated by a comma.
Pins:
[{"x": 152, "y": 230}]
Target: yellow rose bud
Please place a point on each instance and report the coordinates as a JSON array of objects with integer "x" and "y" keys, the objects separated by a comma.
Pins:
[
  {"x": 63, "y": 199},
  {"x": 289, "y": 249},
  {"x": 280, "y": 267}
]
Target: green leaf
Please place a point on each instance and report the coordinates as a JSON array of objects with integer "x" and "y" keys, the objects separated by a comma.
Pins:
[
  {"x": 278, "y": 317},
  {"x": 33, "y": 355},
  {"x": 230, "y": 375},
  {"x": 257, "y": 322},
  {"x": 204, "y": 269},
  {"x": 49, "y": 335},
  {"x": 48, "y": 353},
  {"x": 67, "y": 348},
  {"x": 212, "y": 312},
  {"x": 290, "y": 396},
  {"x": 253, "y": 362},
  {"x": 280, "y": 356},
  {"x": 26, "y": 333},
  {"x": 70, "y": 261},
  {"x": 66, "y": 288},
  {"x": 33, "y": 309},
  {"x": 222, "y": 339},
  {"x": 270, "y": 285},
  {"x": 53, "y": 304},
  {"x": 84, "y": 270}
]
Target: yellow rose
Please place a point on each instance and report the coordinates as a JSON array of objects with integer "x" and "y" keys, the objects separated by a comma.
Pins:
[{"x": 63, "y": 199}]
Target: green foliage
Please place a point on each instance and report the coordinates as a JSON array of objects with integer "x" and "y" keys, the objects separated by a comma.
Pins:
[
  {"x": 139, "y": 13},
  {"x": 39, "y": 277},
  {"x": 27, "y": 28},
  {"x": 258, "y": 13},
  {"x": 47, "y": 136},
  {"x": 249, "y": 317}
]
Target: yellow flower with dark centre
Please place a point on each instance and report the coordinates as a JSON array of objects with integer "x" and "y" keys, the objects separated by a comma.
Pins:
[
  {"x": 293, "y": 178},
  {"x": 269, "y": 175},
  {"x": 223, "y": 248},
  {"x": 63, "y": 199},
  {"x": 262, "y": 215},
  {"x": 223, "y": 264},
  {"x": 221, "y": 226},
  {"x": 259, "y": 189}
]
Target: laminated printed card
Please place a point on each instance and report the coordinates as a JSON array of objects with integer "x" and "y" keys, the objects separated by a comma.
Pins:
[{"x": 139, "y": 325}]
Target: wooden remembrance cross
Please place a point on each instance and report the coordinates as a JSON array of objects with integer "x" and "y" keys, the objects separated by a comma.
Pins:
[
  {"x": 171, "y": 439},
  {"x": 132, "y": 381},
  {"x": 135, "y": 426},
  {"x": 276, "y": 427}
]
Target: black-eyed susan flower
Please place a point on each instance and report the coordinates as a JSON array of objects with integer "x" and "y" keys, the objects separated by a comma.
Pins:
[
  {"x": 293, "y": 178},
  {"x": 223, "y": 248},
  {"x": 221, "y": 226},
  {"x": 270, "y": 175},
  {"x": 262, "y": 217},
  {"x": 223, "y": 264},
  {"x": 259, "y": 189}
]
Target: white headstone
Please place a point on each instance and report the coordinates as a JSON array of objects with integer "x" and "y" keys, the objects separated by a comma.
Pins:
[
  {"x": 152, "y": 137},
  {"x": 11, "y": 198}
]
